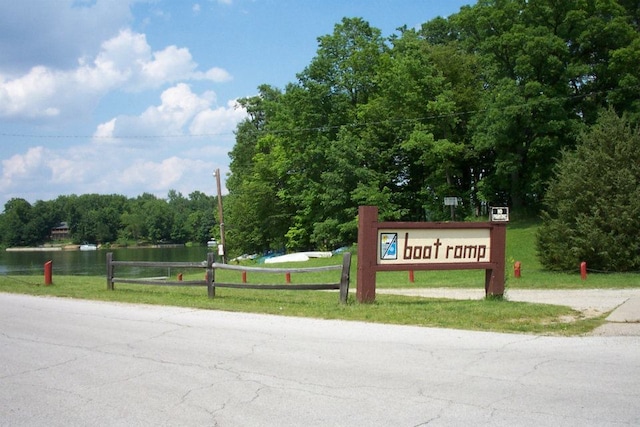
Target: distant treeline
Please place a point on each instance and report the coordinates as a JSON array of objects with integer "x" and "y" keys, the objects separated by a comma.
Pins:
[{"x": 114, "y": 218}]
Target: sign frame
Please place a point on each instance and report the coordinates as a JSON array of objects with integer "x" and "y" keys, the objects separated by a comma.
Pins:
[{"x": 370, "y": 246}]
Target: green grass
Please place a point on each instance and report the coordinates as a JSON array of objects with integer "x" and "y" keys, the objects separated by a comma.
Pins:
[{"x": 486, "y": 315}]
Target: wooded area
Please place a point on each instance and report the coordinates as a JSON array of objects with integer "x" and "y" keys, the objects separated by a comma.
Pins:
[
  {"x": 112, "y": 218},
  {"x": 478, "y": 106}
]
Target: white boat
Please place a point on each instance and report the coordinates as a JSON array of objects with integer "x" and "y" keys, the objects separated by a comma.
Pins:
[
  {"x": 298, "y": 257},
  {"x": 317, "y": 254},
  {"x": 295, "y": 257},
  {"x": 88, "y": 247}
]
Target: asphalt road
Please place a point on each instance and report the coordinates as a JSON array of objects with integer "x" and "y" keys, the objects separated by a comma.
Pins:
[{"x": 70, "y": 362}]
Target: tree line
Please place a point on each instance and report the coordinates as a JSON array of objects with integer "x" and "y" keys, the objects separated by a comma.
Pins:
[
  {"x": 113, "y": 218},
  {"x": 479, "y": 106}
]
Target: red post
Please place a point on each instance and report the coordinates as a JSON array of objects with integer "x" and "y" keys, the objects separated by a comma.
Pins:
[
  {"x": 179, "y": 277},
  {"x": 48, "y": 273},
  {"x": 412, "y": 277},
  {"x": 287, "y": 277},
  {"x": 516, "y": 269},
  {"x": 583, "y": 270},
  {"x": 244, "y": 277}
]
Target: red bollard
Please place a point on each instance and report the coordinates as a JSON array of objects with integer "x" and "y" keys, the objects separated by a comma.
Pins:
[
  {"x": 583, "y": 270},
  {"x": 179, "y": 277},
  {"x": 288, "y": 277},
  {"x": 244, "y": 277},
  {"x": 516, "y": 269},
  {"x": 412, "y": 277},
  {"x": 48, "y": 273}
]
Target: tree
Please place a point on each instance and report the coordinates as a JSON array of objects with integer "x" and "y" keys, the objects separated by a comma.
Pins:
[
  {"x": 479, "y": 106},
  {"x": 593, "y": 203},
  {"x": 547, "y": 68},
  {"x": 15, "y": 223}
]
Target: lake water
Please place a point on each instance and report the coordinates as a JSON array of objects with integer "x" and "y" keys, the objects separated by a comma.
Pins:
[{"x": 93, "y": 263}]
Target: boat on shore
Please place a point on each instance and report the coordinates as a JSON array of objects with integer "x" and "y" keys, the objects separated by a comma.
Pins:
[
  {"x": 88, "y": 247},
  {"x": 297, "y": 257}
]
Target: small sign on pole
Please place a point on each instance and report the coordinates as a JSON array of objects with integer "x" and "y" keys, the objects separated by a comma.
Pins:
[
  {"x": 452, "y": 202},
  {"x": 500, "y": 214}
]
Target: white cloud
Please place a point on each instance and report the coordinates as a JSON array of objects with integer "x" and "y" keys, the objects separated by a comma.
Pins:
[
  {"x": 28, "y": 95},
  {"x": 20, "y": 166},
  {"x": 125, "y": 61},
  {"x": 105, "y": 169},
  {"x": 218, "y": 121},
  {"x": 155, "y": 175},
  {"x": 181, "y": 112}
]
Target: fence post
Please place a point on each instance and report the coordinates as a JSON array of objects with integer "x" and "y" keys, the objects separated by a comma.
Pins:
[
  {"x": 109, "y": 271},
  {"x": 344, "y": 278},
  {"x": 210, "y": 275},
  {"x": 583, "y": 270}
]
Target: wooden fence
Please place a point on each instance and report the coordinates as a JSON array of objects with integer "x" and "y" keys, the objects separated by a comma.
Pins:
[{"x": 209, "y": 281}]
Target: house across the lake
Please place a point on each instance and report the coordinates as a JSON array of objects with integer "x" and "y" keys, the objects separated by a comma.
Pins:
[{"x": 61, "y": 232}]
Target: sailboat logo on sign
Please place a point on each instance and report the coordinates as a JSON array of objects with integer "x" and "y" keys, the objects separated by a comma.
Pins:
[{"x": 389, "y": 246}]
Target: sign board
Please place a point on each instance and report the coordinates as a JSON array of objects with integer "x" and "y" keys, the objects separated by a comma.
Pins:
[
  {"x": 451, "y": 201},
  {"x": 500, "y": 214},
  {"x": 409, "y": 246},
  {"x": 431, "y": 246}
]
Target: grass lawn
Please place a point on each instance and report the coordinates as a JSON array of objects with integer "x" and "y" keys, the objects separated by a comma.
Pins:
[{"x": 486, "y": 315}]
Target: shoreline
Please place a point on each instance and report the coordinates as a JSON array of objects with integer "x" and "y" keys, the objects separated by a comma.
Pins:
[{"x": 77, "y": 247}]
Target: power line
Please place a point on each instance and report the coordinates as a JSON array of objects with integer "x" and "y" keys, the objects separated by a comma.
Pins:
[{"x": 319, "y": 128}]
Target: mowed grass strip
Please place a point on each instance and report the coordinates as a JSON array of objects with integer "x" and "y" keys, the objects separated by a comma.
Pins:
[{"x": 482, "y": 315}]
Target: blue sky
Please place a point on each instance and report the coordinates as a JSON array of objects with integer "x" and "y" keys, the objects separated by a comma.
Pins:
[{"x": 138, "y": 96}]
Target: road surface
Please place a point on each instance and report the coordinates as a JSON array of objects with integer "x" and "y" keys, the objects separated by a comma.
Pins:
[{"x": 66, "y": 362}]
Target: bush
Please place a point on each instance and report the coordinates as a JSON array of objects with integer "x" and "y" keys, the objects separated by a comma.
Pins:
[{"x": 593, "y": 203}]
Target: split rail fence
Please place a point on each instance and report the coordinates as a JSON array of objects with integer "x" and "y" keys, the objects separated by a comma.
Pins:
[{"x": 210, "y": 266}]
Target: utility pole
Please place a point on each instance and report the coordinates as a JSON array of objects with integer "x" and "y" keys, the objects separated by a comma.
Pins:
[{"x": 221, "y": 246}]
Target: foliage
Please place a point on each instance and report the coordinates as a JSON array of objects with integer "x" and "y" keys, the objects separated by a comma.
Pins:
[
  {"x": 110, "y": 218},
  {"x": 478, "y": 106},
  {"x": 593, "y": 204}
]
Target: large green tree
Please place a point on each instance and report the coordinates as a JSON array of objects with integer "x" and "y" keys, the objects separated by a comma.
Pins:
[
  {"x": 477, "y": 106},
  {"x": 593, "y": 203},
  {"x": 547, "y": 68},
  {"x": 15, "y": 223}
]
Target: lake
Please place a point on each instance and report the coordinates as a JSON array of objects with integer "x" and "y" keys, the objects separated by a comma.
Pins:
[{"x": 93, "y": 263}]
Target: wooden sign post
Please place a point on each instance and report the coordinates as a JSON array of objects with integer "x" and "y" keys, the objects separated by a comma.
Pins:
[{"x": 402, "y": 246}]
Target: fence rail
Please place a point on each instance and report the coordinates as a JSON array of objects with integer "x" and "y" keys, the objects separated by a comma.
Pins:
[{"x": 210, "y": 266}]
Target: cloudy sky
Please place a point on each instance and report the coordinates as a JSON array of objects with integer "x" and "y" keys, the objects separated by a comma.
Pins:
[{"x": 134, "y": 96}]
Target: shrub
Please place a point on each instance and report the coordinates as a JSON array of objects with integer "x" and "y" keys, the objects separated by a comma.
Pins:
[{"x": 593, "y": 203}]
